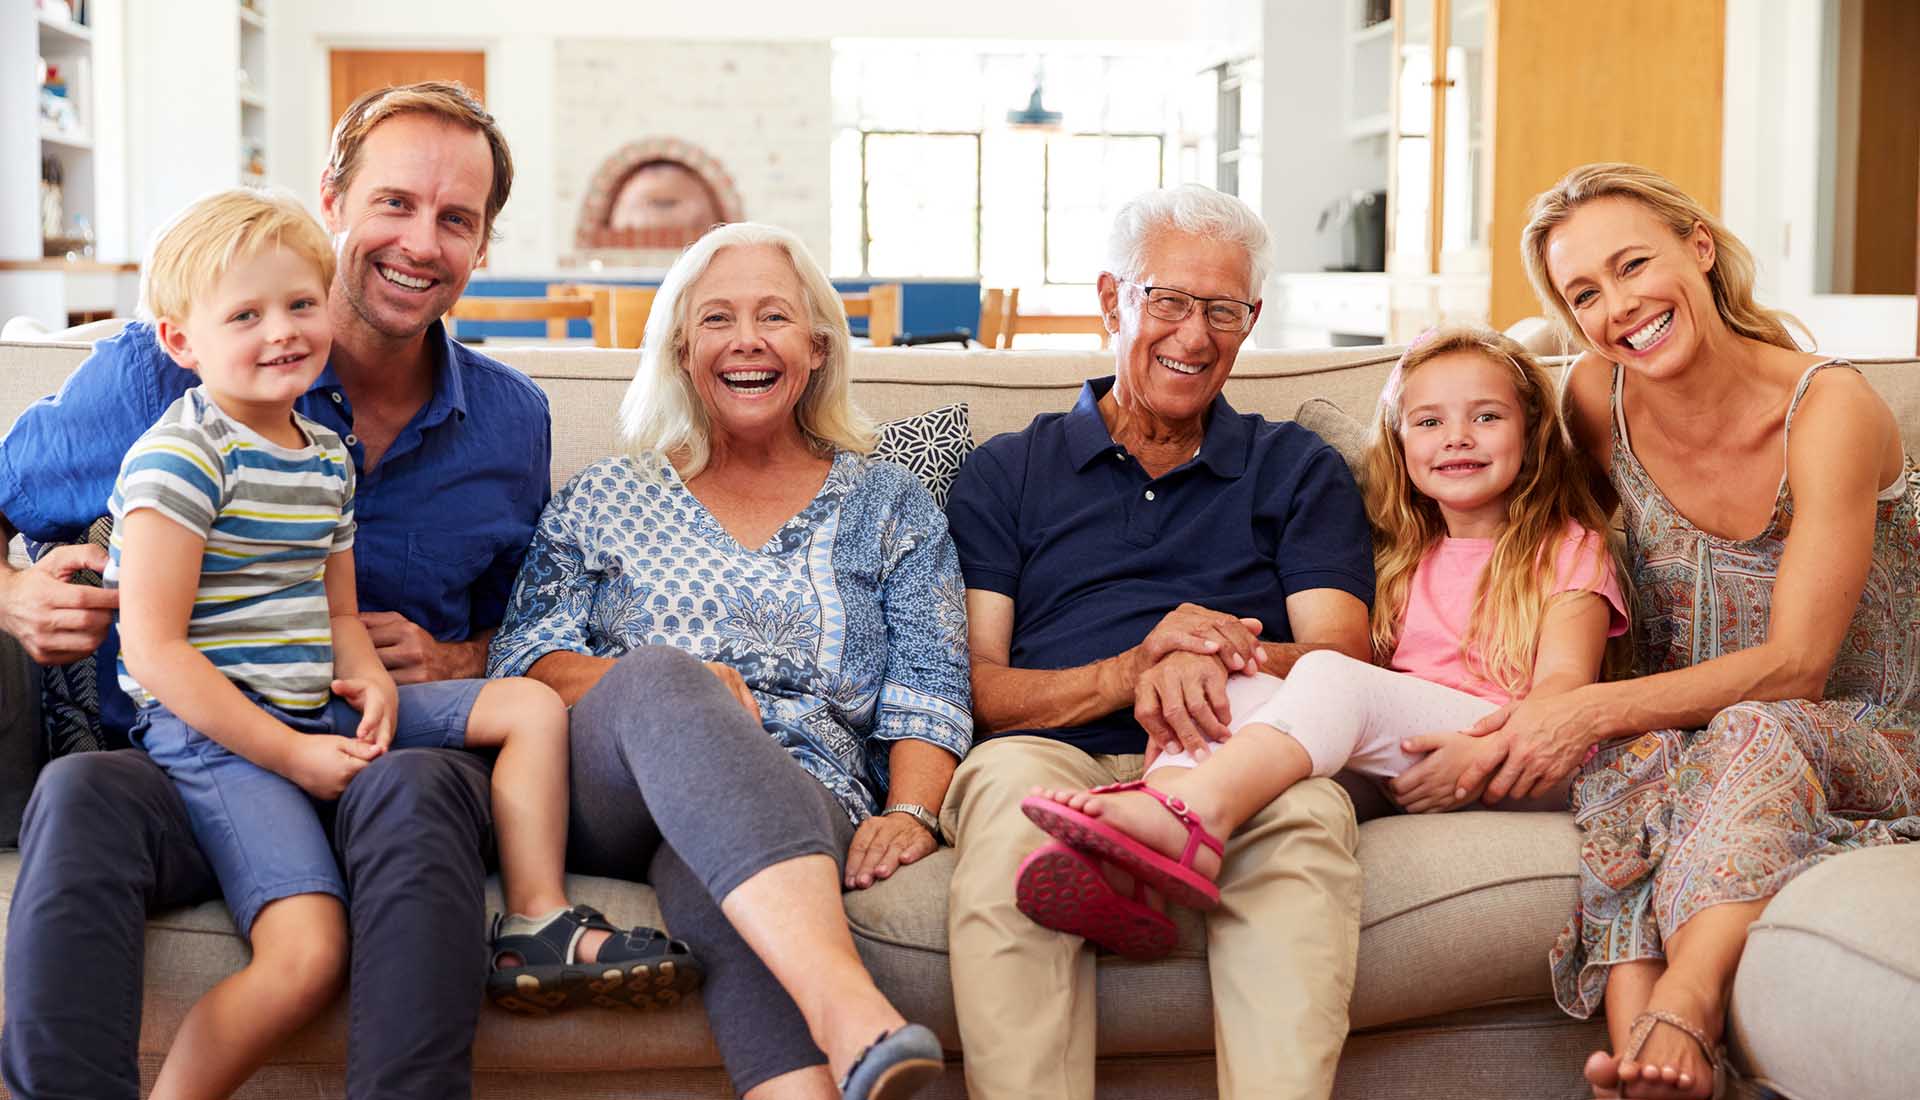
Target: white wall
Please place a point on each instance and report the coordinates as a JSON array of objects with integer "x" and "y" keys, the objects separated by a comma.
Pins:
[
  {"x": 182, "y": 113},
  {"x": 519, "y": 39},
  {"x": 1770, "y": 172}
]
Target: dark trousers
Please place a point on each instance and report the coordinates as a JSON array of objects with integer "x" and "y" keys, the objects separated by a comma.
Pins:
[
  {"x": 106, "y": 842},
  {"x": 672, "y": 777}
]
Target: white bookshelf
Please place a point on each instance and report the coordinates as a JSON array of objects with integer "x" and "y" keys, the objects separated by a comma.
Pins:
[{"x": 252, "y": 92}]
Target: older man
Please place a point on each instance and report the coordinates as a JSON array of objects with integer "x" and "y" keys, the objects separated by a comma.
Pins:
[
  {"x": 451, "y": 453},
  {"x": 1119, "y": 560}
]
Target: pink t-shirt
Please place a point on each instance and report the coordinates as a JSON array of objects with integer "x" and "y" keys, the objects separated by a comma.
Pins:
[{"x": 1440, "y": 601}]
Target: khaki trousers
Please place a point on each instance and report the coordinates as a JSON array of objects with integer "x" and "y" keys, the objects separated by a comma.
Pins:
[{"x": 1280, "y": 949}]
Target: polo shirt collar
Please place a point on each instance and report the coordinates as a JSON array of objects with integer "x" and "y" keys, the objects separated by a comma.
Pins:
[
  {"x": 1223, "y": 449},
  {"x": 449, "y": 378}
]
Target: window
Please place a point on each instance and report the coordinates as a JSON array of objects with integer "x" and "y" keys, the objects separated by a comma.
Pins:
[{"x": 929, "y": 181}]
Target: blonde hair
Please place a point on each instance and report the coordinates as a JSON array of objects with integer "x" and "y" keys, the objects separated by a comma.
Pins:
[
  {"x": 191, "y": 252},
  {"x": 662, "y": 415},
  {"x": 447, "y": 100},
  {"x": 1731, "y": 277},
  {"x": 1551, "y": 491}
]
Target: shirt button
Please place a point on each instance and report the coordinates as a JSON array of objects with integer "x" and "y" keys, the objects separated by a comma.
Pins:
[
  {"x": 337, "y": 399},
  {"x": 353, "y": 440},
  {"x": 1121, "y": 455},
  {"x": 1149, "y": 494}
]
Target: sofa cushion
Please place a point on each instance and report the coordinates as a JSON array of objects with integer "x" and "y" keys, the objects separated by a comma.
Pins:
[
  {"x": 1343, "y": 433},
  {"x": 932, "y": 445},
  {"x": 1834, "y": 952}
]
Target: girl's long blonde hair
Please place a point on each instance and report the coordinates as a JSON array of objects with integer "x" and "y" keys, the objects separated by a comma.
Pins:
[
  {"x": 1731, "y": 278},
  {"x": 1551, "y": 491}
]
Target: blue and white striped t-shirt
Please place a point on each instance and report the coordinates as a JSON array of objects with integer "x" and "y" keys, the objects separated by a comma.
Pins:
[{"x": 271, "y": 515}]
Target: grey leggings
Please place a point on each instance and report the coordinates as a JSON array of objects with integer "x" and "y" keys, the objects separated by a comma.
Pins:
[{"x": 672, "y": 777}]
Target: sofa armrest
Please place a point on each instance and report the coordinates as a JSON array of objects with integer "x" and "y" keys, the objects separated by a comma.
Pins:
[{"x": 20, "y": 740}]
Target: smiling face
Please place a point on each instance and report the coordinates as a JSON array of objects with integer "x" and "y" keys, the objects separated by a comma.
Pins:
[
  {"x": 1639, "y": 293},
  {"x": 750, "y": 347},
  {"x": 410, "y": 228},
  {"x": 1464, "y": 429},
  {"x": 258, "y": 337},
  {"x": 1172, "y": 370}
]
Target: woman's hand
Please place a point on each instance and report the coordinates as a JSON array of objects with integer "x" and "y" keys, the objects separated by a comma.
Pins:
[
  {"x": 882, "y": 845},
  {"x": 1547, "y": 740},
  {"x": 1440, "y": 780},
  {"x": 736, "y": 686}
]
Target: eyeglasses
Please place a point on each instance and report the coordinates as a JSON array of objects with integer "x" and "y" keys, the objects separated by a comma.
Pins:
[{"x": 1168, "y": 304}]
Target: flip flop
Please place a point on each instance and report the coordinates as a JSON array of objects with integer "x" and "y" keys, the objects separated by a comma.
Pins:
[
  {"x": 1177, "y": 879},
  {"x": 1061, "y": 888},
  {"x": 1642, "y": 1030}
]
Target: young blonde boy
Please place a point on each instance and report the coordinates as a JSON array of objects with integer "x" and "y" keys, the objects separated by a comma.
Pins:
[{"x": 259, "y": 690}]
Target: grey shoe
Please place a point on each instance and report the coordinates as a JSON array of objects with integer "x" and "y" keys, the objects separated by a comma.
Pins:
[{"x": 896, "y": 1066}]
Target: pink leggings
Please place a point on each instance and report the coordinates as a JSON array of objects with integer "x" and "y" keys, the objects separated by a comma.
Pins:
[{"x": 1346, "y": 713}]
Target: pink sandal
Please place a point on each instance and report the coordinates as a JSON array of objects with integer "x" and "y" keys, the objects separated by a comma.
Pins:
[
  {"x": 1176, "y": 879},
  {"x": 1062, "y": 889}
]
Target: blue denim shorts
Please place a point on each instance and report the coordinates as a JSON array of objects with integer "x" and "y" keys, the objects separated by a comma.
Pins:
[{"x": 260, "y": 832}]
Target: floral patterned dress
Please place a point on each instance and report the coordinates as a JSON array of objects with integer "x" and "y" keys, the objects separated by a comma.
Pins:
[
  {"x": 1675, "y": 821},
  {"x": 849, "y": 625}
]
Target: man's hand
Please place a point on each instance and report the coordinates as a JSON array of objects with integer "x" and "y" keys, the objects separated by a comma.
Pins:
[
  {"x": 413, "y": 656},
  {"x": 736, "y": 686},
  {"x": 322, "y": 765},
  {"x": 378, "y": 704},
  {"x": 1453, "y": 772},
  {"x": 882, "y": 845},
  {"x": 1182, "y": 703},
  {"x": 55, "y": 622},
  {"x": 1191, "y": 628}
]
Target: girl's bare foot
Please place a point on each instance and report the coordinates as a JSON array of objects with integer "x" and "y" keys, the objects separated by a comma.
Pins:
[
  {"x": 1671, "y": 1065},
  {"x": 1142, "y": 817}
]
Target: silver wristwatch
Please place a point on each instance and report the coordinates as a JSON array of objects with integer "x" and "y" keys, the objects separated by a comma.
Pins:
[{"x": 917, "y": 812}]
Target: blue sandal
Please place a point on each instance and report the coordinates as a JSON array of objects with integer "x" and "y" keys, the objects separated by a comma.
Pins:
[
  {"x": 896, "y": 1065},
  {"x": 638, "y": 969}
]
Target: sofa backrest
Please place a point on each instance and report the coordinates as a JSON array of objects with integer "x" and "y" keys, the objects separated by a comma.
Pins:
[{"x": 1003, "y": 390}]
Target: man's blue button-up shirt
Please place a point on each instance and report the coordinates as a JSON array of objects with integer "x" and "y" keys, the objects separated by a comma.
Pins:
[
  {"x": 1093, "y": 552},
  {"x": 444, "y": 519}
]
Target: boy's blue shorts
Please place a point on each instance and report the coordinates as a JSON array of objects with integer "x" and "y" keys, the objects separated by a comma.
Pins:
[{"x": 260, "y": 832}]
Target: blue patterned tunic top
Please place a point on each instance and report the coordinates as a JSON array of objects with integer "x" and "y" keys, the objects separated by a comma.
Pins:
[{"x": 849, "y": 625}]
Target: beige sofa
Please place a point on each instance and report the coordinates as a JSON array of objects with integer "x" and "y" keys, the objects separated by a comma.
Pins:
[{"x": 1452, "y": 997}]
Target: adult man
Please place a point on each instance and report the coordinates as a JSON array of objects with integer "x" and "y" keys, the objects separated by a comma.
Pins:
[
  {"x": 451, "y": 453},
  {"x": 1109, "y": 554}
]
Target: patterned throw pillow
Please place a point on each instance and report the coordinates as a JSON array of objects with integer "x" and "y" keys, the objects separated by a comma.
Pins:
[
  {"x": 70, "y": 694},
  {"x": 932, "y": 444}
]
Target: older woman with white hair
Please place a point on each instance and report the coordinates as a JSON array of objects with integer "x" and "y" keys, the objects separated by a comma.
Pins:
[{"x": 762, "y": 636}]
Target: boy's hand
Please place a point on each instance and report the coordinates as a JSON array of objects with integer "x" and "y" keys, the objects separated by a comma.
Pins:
[
  {"x": 323, "y": 765},
  {"x": 378, "y": 702},
  {"x": 1439, "y": 781}
]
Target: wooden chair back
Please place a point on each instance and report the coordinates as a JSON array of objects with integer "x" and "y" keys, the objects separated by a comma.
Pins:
[{"x": 880, "y": 305}]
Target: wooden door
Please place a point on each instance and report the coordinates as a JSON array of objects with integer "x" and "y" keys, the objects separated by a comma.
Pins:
[{"x": 357, "y": 71}]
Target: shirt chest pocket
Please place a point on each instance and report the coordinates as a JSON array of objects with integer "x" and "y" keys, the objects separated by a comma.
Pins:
[{"x": 438, "y": 563}]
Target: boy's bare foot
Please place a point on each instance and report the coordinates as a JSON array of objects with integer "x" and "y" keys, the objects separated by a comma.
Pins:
[
  {"x": 1671, "y": 1064},
  {"x": 1141, "y": 816}
]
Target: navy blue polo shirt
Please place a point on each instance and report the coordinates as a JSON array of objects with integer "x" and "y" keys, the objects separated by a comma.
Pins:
[
  {"x": 443, "y": 520},
  {"x": 1094, "y": 553}
]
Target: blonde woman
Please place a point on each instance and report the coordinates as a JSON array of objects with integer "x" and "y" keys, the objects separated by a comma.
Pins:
[
  {"x": 1494, "y": 583},
  {"x": 761, "y": 634},
  {"x": 1774, "y": 548}
]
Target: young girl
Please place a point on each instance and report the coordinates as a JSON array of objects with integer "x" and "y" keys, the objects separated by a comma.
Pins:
[
  {"x": 259, "y": 690},
  {"x": 1493, "y": 582}
]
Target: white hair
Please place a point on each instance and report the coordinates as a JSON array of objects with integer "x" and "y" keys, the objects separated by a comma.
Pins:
[
  {"x": 662, "y": 415},
  {"x": 1188, "y": 208}
]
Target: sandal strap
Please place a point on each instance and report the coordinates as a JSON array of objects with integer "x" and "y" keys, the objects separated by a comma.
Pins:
[
  {"x": 1197, "y": 834},
  {"x": 1644, "y": 1024},
  {"x": 556, "y": 941}
]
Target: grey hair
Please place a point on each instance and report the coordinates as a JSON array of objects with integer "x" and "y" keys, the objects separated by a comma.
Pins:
[
  {"x": 661, "y": 414},
  {"x": 1188, "y": 208}
]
